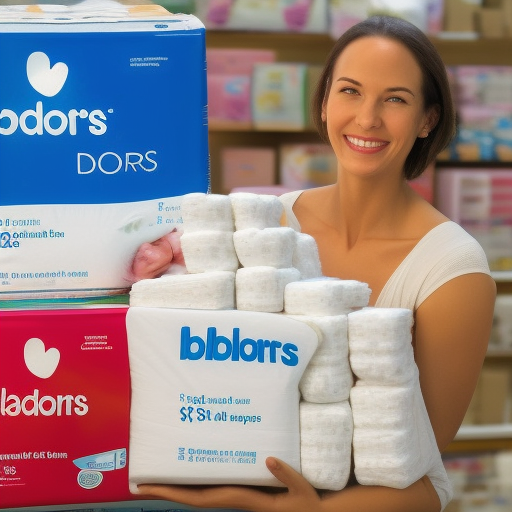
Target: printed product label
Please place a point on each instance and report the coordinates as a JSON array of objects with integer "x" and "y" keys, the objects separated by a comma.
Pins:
[{"x": 214, "y": 393}]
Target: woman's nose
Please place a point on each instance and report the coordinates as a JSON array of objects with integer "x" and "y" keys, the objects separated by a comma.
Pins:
[{"x": 368, "y": 116}]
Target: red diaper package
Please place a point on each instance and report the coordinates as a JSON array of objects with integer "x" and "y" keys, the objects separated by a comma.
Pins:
[{"x": 64, "y": 407}]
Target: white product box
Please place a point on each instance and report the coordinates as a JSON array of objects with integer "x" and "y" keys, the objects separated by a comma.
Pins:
[{"x": 102, "y": 130}]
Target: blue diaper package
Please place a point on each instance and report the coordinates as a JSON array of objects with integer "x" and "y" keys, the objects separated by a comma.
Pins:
[{"x": 103, "y": 127}]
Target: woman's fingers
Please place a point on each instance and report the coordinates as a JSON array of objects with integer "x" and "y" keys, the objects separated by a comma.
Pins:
[
  {"x": 300, "y": 496},
  {"x": 294, "y": 481},
  {"x": 244, "y": 498}
]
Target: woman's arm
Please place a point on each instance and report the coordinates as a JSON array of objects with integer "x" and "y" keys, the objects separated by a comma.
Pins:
[
  {"x": 453, "y": 327},
  {"x": 301, "y": 496}
]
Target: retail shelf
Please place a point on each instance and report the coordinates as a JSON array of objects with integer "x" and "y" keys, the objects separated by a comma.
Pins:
[
  {"x": 499, "y": 353},
  {"x": 498, "y": 431},
  {"x": 502, "y": 276}
]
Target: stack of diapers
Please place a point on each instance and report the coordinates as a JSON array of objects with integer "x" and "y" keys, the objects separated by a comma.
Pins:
[
  {"x": 394, "y": 444},
  {"x": 215, "y": 379},
  {"x": 219, "y": 384},
  {"x": 265, "y": 251},
  {"x": 326, "y": 425}
]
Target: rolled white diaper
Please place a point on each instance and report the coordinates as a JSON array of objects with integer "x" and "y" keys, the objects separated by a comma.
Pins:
[
  {"x": 392, "y": 327},
  {"x": 272, "y": 247},
  {"x": 381, "y": 407},
  {"x": 262, "y": 288},
  {"x": 325, "y": 296},
  {"x": 305, "y": 256},
  {"x": 389, "y": 370},
  {"x": 256, "y": 210},
  {"x": 207, "y": 212},
  {"x": 208, "y": 251},
  {"x": 325, "y": 444},
  {"x": 328, "y": 377},
  {"x": 212, "y": 290},
  {"x": 380, "y": 341}
]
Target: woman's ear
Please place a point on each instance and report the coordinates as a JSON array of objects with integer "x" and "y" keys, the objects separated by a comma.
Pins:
[
  {"x": 432, "y": 118},
  {"x": 324, "y": 113}
]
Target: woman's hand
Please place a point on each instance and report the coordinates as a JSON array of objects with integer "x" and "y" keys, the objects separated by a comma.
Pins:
[{"x": 300, "y": 496}]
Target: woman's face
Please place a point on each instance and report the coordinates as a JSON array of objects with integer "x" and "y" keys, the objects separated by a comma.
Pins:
[{"x": 374, "y": 108}]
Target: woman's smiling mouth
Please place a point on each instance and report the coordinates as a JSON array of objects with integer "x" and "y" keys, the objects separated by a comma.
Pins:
[{"x": 365, "y": 145}]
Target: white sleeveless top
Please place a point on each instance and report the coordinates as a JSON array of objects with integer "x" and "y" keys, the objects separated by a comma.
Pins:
[{"x": 445, "y": 252}]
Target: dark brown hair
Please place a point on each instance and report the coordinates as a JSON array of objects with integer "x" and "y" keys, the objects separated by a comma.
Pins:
[{"x": 436, "y": 87}]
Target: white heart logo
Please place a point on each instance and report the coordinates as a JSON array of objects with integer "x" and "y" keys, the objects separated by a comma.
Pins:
[
  {"x": 42, "y": 363},
  {"x": 45, "y": 79}
]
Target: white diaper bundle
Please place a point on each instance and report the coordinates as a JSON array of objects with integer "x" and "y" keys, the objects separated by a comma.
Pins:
[
  {"x": 390, "y": 418},
  {"x": 230, "y": 375},
  {"x": 265, "y": 250},
  {"x": 325, "y": 413},
  {"x": 207, "y": 242},
  {"x": 215, "y": 381}
]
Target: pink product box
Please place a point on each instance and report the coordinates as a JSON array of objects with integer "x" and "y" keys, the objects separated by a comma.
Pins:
[
  {"x": 247, "y": 167},
  {"x": 277, "y": 16},
  {"x": 229, "y": 98},
  {"x": 466, "y": 195},
  {"x": 236, "y": 61},
  {"x": 64, "y": 407}
]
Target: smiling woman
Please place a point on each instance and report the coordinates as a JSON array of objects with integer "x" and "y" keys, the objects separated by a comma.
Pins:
[{"x": 383, "y": 103}]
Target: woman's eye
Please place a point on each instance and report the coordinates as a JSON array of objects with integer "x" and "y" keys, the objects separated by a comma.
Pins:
[
  {"x": 349, "y": 90},
  {"x": 396, "y": 99}
]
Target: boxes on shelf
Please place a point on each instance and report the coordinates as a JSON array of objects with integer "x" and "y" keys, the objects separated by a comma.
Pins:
[
  {"x": 307, "y": 165},
  {"x": 481, "y": 202},
  {"x": 229, "y": 85},
  {"x": 483, "y": 96},
  {"x": 425, "y": 14},
  {"x": 64, "y": 407},
  {"x": 491, "y": 401},
  {"x": 481, "y": 481},
  {"x": 460, "y": 15},
  {"x": 279, "y": 96},
  {"x": 103, "y": 130},
  {"x": 273, "y": 16},
  {"x": 229, "y": 101},
  {"x": 343, "y": 14},
  {"x": 236, "y": 61},
  {"x": 247, "y": 167}
]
